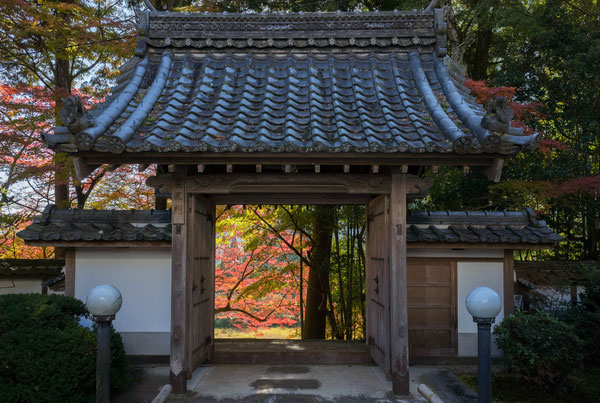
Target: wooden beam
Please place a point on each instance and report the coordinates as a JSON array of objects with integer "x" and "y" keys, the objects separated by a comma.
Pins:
[
  {"x": 425, "y": 259},
  {"x": 101, "y": 244},
  {"x": 70, "y": 272},
  {"x": 179, "y": 311},
  {"x": 82, "y": 168},
  {"x": 297, "y": 198},
  {"x": 303, "y": 198},
  {"x": 479, "y": 245},
  {"x": 191, "y": 244},
  {"x": 509, "y": 282},
  {"x": 289, "y": 183},
  {"x": 494, "y": 171},
  {"x": 398, "y": 285},
  {"x": 321, "y": 158}
]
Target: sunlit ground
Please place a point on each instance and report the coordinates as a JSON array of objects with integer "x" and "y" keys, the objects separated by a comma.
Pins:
[{"x": 276, "y": 332}]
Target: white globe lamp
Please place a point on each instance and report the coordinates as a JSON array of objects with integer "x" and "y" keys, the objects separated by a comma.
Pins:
[
  {"x": 103, "y": 302},
  {"x": 484, "y": 304}
]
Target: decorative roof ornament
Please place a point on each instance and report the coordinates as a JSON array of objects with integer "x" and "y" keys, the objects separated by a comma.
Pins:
[
  {"x": 499, "y": 114},
  {"x": 73, "y": 114}
]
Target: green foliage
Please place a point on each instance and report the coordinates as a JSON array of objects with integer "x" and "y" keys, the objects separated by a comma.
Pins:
[
  {"x": 585, "y": 317},
  {"x": 452, "y": 190},
  {"x": 539, "y": 347},
  {"x": 581, "y": 386},
  {"x": 46, "y": 356}
]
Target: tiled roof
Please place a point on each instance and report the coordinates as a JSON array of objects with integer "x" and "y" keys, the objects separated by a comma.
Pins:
[
  {"x": 489, "y": 227},
  {"x": 64, "y": 225},
  {"x": 423, "y": 226},
  {"x": 347, "y": 82},
  {"x": 31, "y": 268}
]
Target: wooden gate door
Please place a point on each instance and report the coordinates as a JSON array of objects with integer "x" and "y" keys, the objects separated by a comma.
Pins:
[
  {"x": 431, "y": 308},
  {"x": 201, "y": 287},
  {"x": 377, "y": 282}
]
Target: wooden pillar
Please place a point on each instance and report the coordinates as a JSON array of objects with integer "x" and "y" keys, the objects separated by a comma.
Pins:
[
  {"x": 69, "y": 272},
  {"x": 509, "y": 282},
  {"x": 179, "y": 311},
  {"x": 398, "y": 286}
]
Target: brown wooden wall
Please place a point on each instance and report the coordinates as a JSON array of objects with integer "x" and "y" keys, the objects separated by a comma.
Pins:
[{"x": 432, "y": 308}]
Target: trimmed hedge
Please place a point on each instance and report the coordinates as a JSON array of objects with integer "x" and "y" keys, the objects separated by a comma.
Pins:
[
  {"x": 46, "y": 355},
  {"x": 539, "y": 347}
]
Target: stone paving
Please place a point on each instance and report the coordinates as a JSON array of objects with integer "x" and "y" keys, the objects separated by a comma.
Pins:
[{"x": 294, "y": 383}]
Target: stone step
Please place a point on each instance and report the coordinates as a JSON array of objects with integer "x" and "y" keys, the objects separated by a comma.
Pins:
[{"x": 300, "y": 352}]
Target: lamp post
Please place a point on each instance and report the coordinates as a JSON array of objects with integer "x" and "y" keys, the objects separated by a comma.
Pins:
[
  {"x": 484, "y": 305},
  {"x": 103, "y": 302}
]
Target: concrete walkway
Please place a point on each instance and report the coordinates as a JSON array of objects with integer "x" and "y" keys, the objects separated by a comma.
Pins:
[{"x": 294, "y": 383}]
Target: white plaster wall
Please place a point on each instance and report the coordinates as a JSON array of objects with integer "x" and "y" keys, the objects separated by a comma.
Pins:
[
  {"x": 469, "y": 276},
  {"x": 455, "y": 253},
  {"x": 477, "y": 274},
  {"x": 143, "y": 275},
  {"x": 21, "y": 286}
]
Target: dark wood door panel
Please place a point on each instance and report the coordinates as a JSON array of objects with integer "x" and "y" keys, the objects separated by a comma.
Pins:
[
  {"x": 432, "y": 314},
  {"x": 377, "y": 283}
]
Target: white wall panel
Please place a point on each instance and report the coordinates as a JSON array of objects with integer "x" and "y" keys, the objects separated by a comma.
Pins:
[
  {"x": 476, "y": 274},
  {"x": 20, "y": 286},
  {"x": 143, "y": 276}
]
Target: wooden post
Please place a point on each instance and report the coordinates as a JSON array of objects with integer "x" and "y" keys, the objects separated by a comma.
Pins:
[
  {"x": 70, "y": 272},
  {"x": 509, "y": 282},
  {"x": 398, "y": 286},
  {"x": 179, "y": 311}
]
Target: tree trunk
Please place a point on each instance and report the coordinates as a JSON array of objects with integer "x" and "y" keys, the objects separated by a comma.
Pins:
[
  {"x": 480, "y": 60},
  {"x": 63, "y": 82},
  {"x": 318, "y": 276}
]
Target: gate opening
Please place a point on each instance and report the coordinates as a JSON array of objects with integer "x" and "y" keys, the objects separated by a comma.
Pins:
[{"x": 290, "y": 272}]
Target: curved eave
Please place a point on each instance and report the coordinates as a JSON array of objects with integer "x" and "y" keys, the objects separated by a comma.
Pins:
[{"x": 337, "y": 102}]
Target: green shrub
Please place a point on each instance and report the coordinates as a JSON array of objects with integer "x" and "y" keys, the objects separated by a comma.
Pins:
[
  {"x": 46, "y": 356},
  {"x": 590, "y": 298},
  {"x": 539, "y": 347}
]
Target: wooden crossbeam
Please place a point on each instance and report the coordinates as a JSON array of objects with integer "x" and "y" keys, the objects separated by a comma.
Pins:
[{"x": 294, "y": 182}]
